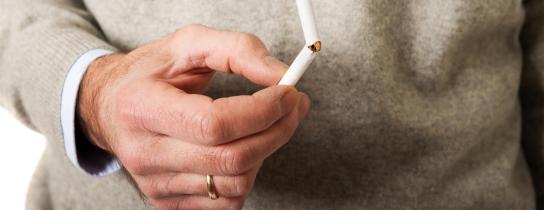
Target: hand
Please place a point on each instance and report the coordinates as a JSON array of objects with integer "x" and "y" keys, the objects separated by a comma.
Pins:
[{"x": 146, "y": 108}]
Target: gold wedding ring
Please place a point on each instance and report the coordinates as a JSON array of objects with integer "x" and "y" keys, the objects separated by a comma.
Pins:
[{"x": 212, "y": 192}]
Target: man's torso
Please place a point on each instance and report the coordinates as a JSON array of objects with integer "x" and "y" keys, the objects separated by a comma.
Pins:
[{"x": 414, "y": 103}]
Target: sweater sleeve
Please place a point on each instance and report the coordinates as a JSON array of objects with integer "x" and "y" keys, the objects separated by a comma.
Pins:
[
  {"x": 532, "y": 93},
  {"x": 39, "y": 42}
]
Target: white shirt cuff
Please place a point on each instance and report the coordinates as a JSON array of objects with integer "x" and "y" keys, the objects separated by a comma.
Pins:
[{"x": 79, "y": 150}]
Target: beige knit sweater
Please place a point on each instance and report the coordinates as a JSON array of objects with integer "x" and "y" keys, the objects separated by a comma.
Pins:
[{"x": 417, "y": 104}]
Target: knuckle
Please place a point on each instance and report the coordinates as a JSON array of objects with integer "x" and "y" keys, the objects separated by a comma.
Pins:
[
  {"x": 247, "y": 45},
  {"x": 157, "y": 188},
  {"x": 211, "y": 128},
  {"x": 248, "y": 38},
  {"x": 250, "y": 41},
  {"x": 191, "y": 30},
  {"x": 183, "y": 203},
  {"x": 166, "y": 186},
  {"x": 232, "y": 162},
  {"x": 195, "y": 27}
]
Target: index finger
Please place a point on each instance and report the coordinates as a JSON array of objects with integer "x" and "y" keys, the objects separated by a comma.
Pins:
[{"x": 245, "y": 54}]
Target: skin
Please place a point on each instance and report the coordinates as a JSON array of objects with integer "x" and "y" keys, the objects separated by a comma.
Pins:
[{"x": 147, "y": 108}]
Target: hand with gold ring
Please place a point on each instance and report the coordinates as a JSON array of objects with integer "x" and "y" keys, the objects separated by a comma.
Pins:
[{"x": 181, "y": 148}]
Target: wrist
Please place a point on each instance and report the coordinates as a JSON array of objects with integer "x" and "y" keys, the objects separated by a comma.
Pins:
[{"x": 89, "y": 111}]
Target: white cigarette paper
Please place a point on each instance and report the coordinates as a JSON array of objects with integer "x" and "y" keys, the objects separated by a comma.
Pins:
[
  {"x": 310, "y": 50},
  {"x": 307, "y": 19},
  {"x": 298, "y": 67}
]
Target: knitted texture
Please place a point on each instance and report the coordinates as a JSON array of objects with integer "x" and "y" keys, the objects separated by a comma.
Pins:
[{"x": 416, "y": 104}]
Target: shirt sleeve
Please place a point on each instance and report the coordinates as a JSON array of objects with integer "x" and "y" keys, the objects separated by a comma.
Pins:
[{"x": 79, "y": 150}]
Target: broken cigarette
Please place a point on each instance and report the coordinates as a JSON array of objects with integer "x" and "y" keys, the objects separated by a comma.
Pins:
[
  {"x": 298, "y": 67},
  {"x": 307, "y": 19},
  {"x": 308, "y": 52}
]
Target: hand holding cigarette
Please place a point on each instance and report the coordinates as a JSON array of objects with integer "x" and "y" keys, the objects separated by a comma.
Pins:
[
  {"x": 308, "y": 52},
  {"x": 159, "y": 125},
  {"x": 152, "y": 116}
]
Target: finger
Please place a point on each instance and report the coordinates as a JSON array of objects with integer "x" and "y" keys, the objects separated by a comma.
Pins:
[
  {"x": 233, "y": 186},
  {"x": 198, "y": 202},
  {"x": 195, "y": 82},
  {"x": 175, "y": 184},
  {"x": 198, "y": 46},
  {"x": 171, "y": 155},
  {"x": 200, "y": 120},
  {"x": 235, "y": 117}
]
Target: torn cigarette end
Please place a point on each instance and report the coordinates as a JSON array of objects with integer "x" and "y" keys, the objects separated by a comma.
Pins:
[
  {"x": 298, "y": 67},
  {"x": 315, "y": 47}
]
